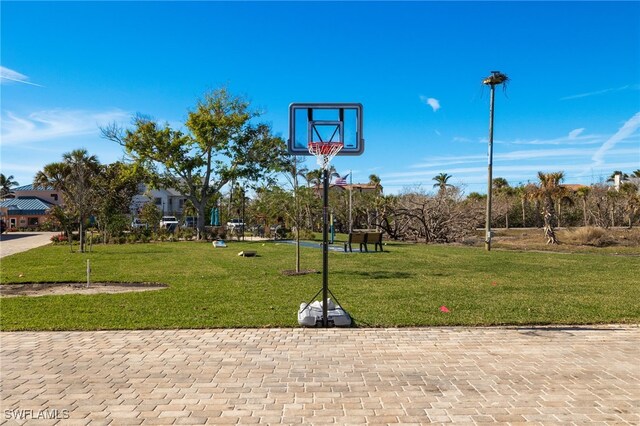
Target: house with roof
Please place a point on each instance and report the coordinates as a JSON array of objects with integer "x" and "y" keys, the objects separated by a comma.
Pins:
[
  {"x": 358, "y": 187},
  {"x": 168, "y": 201},
  {"x": 28, "y": 206},
  {"x": 48, "y": 195},
  {"x": 24, "y": 212}
]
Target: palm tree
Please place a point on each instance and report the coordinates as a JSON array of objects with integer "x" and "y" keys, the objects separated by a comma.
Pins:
[
  {"x": 548, "y": 190},
  {"x": 6, "y": 183},
  {"x": 583, "y": 193},
  {"x": 313, "y": 177},
  {"x": 500, "y": 183},
  {"x": 623, "y": 176},
  {"x": 635, "y": 173},
  {"x": 631, "y": 200},
  {"x": 441, "y": 183},
  {"x": 375, "y": 180},
  {"x": 521, "y": 192},
  {"x": 74, "y": 178},
  {"x": 504, "y": 193}
]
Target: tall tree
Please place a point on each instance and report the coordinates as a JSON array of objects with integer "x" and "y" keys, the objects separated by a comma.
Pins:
[
  {"x": 313, "y": 177},
  {"x": 583, "y": 193},
  {"x": 6, "y": 183},
  {"x": 75, "y": 178},
  {"x": 630, "y": 201},
  {"x": 294, "y": 169},
  {"x": 442, "y": 183},
  {"x": 504, "y": 194},
  {"x": 223, "y": 144},
  {"x": 612, "y": 178},
  {"x": 115, "y": 187},
  {"x": 548, "y": 191}
]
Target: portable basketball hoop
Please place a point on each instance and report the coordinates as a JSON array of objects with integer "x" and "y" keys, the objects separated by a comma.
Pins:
[
  {"x": 325, "y": 130},
  {"x": 324, "y": 152}
]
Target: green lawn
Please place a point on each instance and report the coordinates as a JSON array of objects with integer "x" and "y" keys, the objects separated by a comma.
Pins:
[{"x": 405, "y": 286}]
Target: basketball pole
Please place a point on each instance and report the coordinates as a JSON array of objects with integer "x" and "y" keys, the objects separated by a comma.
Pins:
[{"x": 325, "y": 248}]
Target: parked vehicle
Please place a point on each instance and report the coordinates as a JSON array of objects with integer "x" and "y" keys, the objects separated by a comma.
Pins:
[
  {"x": 138, "y": 224},
  {"x": 169, "y": 222},
  {"x": 235, "y": 225},
  {"x": 278, "y": 232},
  {"x": 190, "y": 222}
]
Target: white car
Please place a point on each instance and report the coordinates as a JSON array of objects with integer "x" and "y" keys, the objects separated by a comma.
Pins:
[
  {"x": 138, "y": 224},
  {"x": 235, "y": 225},
  {"x": 169, "y": 222}
]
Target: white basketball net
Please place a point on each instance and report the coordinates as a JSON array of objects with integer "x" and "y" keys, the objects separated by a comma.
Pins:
[{"x": 324, "y": 152}]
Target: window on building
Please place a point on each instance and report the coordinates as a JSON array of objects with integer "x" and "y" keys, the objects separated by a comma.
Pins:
[
  {"x": 157, "y": 201},
  {"x": 55, "y": 197},
  {"x": 33, "y": 221}
]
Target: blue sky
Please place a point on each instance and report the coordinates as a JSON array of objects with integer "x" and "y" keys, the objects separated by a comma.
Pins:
[{"x": 572, "y": 105}]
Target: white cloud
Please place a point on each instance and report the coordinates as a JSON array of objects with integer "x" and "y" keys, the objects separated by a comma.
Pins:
[
  {"x": 575, "y": 137},
  {"x": 432, "y": 102},
  {"x": 461, "y": 139},
  {"x": 602, "y": 92},
  {"x": 10, "y": 76},
  {"x": 42, "y": 126},
  {"x": 575, "y": 133},
  {"x": 627, "y": 130}
]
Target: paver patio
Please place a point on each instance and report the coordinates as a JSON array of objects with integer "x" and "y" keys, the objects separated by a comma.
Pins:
[{"x": 313, "y": 376}]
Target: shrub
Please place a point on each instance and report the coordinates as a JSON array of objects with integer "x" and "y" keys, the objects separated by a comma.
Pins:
[
  {"x": 306, "y": 234},
  {"x": 591, "y": 236},
  {"x": 59, "y": 239},
  {"x": 188, "y": 234}
]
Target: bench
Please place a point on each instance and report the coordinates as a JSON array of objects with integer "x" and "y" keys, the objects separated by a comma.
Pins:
[
  {"x": 375, "y": 238},
  {"x": 363, "y": 238}
]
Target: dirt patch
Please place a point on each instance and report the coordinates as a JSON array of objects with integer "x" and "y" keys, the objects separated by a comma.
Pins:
[
  {"x": 53, "y": 289},
  {"x": 292, "y": 273}
]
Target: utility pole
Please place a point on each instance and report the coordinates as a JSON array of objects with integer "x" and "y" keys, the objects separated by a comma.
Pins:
[{"x": 496, "y": 78}]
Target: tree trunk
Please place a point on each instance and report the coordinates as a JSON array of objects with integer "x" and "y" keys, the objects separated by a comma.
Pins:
[
  {"x": 613, "y": 217},
  {"x": 559, "y": 213},
  {"x": 201, "y": 224},
  {"x": 548, "y": 216},
  {"x": 524, "y": 221},
  {"x": 81, "y": 232},
  {"x": 584, "y": 212}
]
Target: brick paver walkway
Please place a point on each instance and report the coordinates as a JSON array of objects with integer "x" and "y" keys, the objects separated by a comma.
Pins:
[{"x": 311, "y": 376}]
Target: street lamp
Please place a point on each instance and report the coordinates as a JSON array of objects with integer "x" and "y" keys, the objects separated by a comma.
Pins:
[{"x": 496, "y": 78}]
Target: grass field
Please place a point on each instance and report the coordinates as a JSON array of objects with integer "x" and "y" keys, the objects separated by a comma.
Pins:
[{"x": 404, "y": 286}]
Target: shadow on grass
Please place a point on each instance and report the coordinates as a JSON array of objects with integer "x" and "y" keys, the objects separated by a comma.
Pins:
[{"x": 376, "y": 275}]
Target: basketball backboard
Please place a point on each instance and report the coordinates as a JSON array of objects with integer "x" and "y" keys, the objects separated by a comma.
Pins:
[{"x": 325, "y": 122}]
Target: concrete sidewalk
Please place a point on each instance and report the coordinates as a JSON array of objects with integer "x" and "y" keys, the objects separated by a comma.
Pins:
[
  {"x": 16, "y": 242},
  {"x": 314, "y": 376}
]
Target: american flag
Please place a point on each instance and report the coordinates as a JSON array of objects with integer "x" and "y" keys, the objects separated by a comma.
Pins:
[{"x": 342, "y": 181}]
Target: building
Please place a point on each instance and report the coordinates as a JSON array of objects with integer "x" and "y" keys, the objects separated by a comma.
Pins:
[
  {"x": 48, "y": 195},
  {"x": 359, "y": 187},
  {"x": 168, "y": 201},
  {"x": 24, "y": 212},
  {"x": 28, "y": 206}
]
